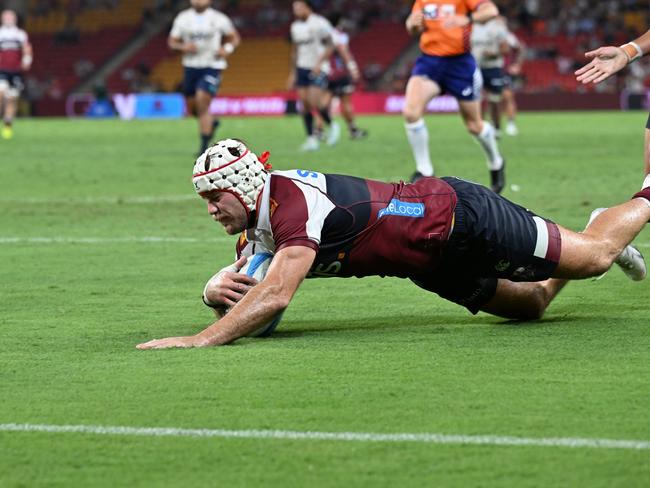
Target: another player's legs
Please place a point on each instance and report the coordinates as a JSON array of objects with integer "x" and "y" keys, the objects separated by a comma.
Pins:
[
  {"x": 322, "y": 100},
  {"x": 484, "y": 133},
  {"x": 419, "y": 91},
  {"x": 8, "y": 107},
  {"x": 510, "y": 109},
  {"x": 347, "y": 110},
  {"x": 202, "y": 102},
  {"x": 311, "y": 144}
]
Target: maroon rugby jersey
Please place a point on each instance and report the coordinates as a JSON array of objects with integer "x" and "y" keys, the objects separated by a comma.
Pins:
[
  {"x": 12, "y": 41},
  {"x": 358, "y": 227}
]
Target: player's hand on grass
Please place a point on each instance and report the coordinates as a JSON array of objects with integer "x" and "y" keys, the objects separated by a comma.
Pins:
[
  {"x": 173, "y": 342},
  {"x": 228, "y": 286},
  {"x": 605, "y": 61}
]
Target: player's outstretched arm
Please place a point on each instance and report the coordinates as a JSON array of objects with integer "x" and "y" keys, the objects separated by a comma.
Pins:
[
  {"x": 608, "y": 60},
  {"x": 263, "y": 302}
]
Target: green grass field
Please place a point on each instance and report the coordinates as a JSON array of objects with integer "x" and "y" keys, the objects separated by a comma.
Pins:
[{"x": 103, "y": 246}]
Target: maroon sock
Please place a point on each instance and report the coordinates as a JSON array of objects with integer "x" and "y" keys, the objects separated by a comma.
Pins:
[{"x": 645, "y": 193}]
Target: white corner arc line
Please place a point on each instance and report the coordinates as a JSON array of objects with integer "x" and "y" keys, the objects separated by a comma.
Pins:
[{"x": 427, "y": 438}]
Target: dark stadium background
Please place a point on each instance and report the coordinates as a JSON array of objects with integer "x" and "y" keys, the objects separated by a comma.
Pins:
[{"x": 92, "y": 47}]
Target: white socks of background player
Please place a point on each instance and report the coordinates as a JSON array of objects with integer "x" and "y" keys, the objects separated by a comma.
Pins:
[
  {"x": 418, "y": 136},
  {"x": 487, "y": 140}
]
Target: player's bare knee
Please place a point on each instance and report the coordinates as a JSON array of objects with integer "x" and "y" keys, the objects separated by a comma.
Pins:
[
  {"x": 411, "y": 114},
  {"x": 474, "y": 127}
]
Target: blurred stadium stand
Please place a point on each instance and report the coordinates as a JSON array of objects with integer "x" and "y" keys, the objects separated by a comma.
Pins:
[{"x": 77, "y": 43}]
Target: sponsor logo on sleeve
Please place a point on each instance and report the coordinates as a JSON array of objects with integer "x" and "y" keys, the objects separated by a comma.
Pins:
[{"x": 404, "y": 209}]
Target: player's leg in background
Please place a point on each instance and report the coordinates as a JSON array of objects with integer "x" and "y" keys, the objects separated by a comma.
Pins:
[
  {"x": 419, "y": 92},
  {"x": 321, "y": 100},
  {"x": 311, "y": 144},
  {"x": 484, "y": 133},
  {"x": 347, "y": 110},
  {"x": 510, "y": 109},
  {"x": 202, "y": 101},
  {"x": 494, "y": 103},
  {"x": 10, "y": 107}
]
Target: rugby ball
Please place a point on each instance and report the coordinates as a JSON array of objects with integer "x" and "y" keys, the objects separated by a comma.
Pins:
[{"x": 256, "y": 267}]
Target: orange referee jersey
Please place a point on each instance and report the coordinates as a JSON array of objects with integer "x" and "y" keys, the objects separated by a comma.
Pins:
[{"x": 437, "y": 40}]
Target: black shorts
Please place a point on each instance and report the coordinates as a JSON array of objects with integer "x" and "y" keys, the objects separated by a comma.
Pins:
[
  {"x": 340, "y": 86},
  {"x": 494, "y": 79},
  {"x": 492, "y": 238}
]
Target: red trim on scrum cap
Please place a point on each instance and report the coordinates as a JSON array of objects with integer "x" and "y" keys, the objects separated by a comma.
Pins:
[{"x": 221, "y": 167}]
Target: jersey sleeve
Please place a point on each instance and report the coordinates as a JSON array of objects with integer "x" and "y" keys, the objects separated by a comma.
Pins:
[
  {"x": 177, "y": 29},
  {"x": 340, "y": 38},
  {"x": 227, "y": 27},
  {"x": 298, "y": 212}
]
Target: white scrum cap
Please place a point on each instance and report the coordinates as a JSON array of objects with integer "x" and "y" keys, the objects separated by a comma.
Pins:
[{"x": 230, "y": 166}]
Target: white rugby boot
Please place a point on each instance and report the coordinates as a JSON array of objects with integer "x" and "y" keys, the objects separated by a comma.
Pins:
[
  {"x": 311, "y": 144},
  {"x": 631, "y": 260},
  {"x": 334, "y": 133}
]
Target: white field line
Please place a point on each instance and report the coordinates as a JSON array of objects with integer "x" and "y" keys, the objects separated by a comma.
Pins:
[
  {"x": 489, "y": 440},
  {"x": 101, "y": 200},
  {"x": 110, "y": 240}
]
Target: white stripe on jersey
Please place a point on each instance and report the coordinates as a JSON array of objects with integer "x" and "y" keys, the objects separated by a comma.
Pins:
[{"x": 313, "y": 186}]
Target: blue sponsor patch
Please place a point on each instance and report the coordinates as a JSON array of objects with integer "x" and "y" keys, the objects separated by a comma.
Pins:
[{"x": 395, "y": 207}]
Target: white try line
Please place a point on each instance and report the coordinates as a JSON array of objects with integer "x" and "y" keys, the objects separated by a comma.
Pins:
[
  {"x": 487, "y": 440},
  {"x": 111, "y": 240},
  {"x": 113, "y": 200}
]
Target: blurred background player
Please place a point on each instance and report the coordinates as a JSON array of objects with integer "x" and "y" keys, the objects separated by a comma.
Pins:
[
  {"x": 206, "y": 37},
  {"x": 15, "y": 59},
  {"x": 489, "y": 47},
  {"x": 514, "y": 63},
  {"x": 344, "y": 73},
  {"x": 311, "y": 48},
  {"x": 607, "y": 60},
  {"x": 447, "y": 65}
]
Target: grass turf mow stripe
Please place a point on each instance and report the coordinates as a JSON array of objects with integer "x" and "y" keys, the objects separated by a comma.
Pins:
[{"x": 490, "y": 440}]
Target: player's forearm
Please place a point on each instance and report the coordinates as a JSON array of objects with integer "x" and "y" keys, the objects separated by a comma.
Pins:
[
  {"x": 260, "y": 305},
  {"x": 486, "y": 11}
]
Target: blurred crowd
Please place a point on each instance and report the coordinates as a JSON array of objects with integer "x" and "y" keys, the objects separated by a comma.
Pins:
[{"x": 557, "y": 30}]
